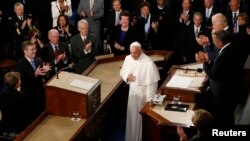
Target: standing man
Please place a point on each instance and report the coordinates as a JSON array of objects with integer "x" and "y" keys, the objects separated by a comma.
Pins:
[
  {"x": 56, "y": 53},
  {"x": 224, "y": 77},
  {"x": 32, "y": 71},
  {"x": 93, "y": 11},
  {"x": 19, "y": 25},
  {"x": 113, "y": 18},
  {"x": 142, "y": 75},
  {"x": 82, "y": 47}
]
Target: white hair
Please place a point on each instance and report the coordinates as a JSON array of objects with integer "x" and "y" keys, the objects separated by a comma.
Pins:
[
  {"x": 52, "y": 31},
  {"x": 82, "y": 21},
  {"x": 135, "y": 45}
]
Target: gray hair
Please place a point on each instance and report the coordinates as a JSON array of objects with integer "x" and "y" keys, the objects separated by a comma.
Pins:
[
  {"x": 198, "y": 14},
  {"x": 82, "y": 21},
  {"x": 52, "y": 31},
  {"x": 219, "y": 18}
]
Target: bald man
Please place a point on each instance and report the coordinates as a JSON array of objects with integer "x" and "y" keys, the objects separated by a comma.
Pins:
[
  {"x": 142, "y": 75},
  {"x": 55, "y": 52}
]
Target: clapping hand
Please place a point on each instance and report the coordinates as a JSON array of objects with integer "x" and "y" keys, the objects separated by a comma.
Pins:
[
  {"x": 181, "y": 133},
  {"x": 202, "y": 57},
  {"x": 46, "y": 67},
  {"x": 91, "y": 13},
  {"x": 202, "y": 40},
  {"x": 24, "y": 24},
  {"x": 60, "y": 57},
  {"x": 39, "y": 71},
  {"x": 118, "y": 46},
  {"x": 155, "y": 25},
  {"x": 83, "y": 14},
  {"x": 88, "y": 46}
]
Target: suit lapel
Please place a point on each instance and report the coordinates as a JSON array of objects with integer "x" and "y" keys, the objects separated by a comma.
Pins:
[
  {"x": 51, "y": 52},
  {"x": 28, "y": 64}
]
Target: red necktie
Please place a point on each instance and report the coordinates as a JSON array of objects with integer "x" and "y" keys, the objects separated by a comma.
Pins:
[{"x": 57, "y": 53}]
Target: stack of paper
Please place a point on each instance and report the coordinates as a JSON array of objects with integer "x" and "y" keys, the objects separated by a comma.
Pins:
[{"x": 81, "y": 84}]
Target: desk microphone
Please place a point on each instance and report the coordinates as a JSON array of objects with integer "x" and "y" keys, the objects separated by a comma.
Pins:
[
  {"x": 200, "y": 70},
  {"x": 57, "y": 72}
]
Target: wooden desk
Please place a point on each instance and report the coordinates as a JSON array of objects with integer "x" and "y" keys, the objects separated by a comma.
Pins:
[
  {"x": 160, "y": 125},
  {"x": 51, "y": 128},
  {"x": 7, "y": 64},
  {"x": 187, "y": 94}
]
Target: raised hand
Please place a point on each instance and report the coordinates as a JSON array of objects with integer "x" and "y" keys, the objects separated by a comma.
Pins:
[
  {"x": 39, "y": 71},
  {"x": 46, "y": 67}
]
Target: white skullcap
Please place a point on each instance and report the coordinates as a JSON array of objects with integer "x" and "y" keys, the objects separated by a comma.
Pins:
[{"x": 135, "y": 44}]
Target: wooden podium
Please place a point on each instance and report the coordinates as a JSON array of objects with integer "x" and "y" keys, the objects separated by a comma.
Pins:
[
  {"x": 184, "y": 83},
  {"x": 160, "y": 124},
  {"x": 63, "y": 97}
]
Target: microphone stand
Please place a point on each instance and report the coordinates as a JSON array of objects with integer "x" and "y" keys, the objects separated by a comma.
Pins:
[{"x": 187, "y": 69}]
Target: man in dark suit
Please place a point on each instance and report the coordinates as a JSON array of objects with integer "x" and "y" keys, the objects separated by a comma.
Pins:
[
  {"x": 164, "y": 16},
  {"x": 19, "y": 25},
  {"x": 93, "y": 12},
  {"x": 184, "y": 17},
  {"x": 145, "y": 26},
  {"x": 82, "y": 47},
  {"x": 224, "y": 77},
  {"x": 56, "y": 53},
  {"x": 32, "y": 71},
  {"x": 15, "y": 106},
  {"x": 114, "y": 15},
  {"x": 193, "y": 32},
  {"x": 208, "y": 11},
  {"x": 232, "y": 15}
]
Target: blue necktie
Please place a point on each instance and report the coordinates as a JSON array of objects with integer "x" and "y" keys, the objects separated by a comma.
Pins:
[
  {"x": 33, "y": 64},
  {"x": 235, "y": 23}
]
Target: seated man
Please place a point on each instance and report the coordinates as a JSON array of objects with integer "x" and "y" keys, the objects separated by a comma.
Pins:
[
  {"x": 56, "y": 53},
  {"x": 15, "y": 107}
]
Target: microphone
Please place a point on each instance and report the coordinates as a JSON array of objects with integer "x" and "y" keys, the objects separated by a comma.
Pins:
[
  {"x": 200, "y": 70},
  {"x": 65, "y": 68}
]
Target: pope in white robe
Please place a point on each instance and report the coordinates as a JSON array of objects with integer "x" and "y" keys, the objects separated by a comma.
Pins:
[{"x": 142, "y": 75}]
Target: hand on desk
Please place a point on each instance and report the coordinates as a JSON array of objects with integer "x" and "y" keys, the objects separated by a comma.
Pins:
[{"x": 181, "y": 133}]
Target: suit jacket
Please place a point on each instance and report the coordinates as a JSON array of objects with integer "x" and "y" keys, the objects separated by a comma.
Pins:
[
  {"x": 31, "y": 84},
  {"x": 229, "y": 16},
  {"x": 208, "y": 22},
  {"x": 177, "y": 17},
  {"x": 145, "y": 40},
  {"x": 48, "y": 55},
  {"x": 224, "y": 77},
  {"x": 95, "y": 21},
  {"x": 115, "y": 36},
  {"x": 110, "y": 21},
  {"x": 165, "y": 29},
  {"x": 17, "y": 35},
  {"x": 191, "y": 45},
  {"x": 16, "y": 112},
  {"x": 81, "y": 59}
]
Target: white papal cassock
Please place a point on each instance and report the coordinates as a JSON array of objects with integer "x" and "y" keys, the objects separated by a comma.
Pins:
[{"x": 140, "y": 91}]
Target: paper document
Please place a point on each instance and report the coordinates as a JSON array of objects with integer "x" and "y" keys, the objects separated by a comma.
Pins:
[
  {"x": 81, "y": 84},
  {"x": 180, "y": 81}
]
